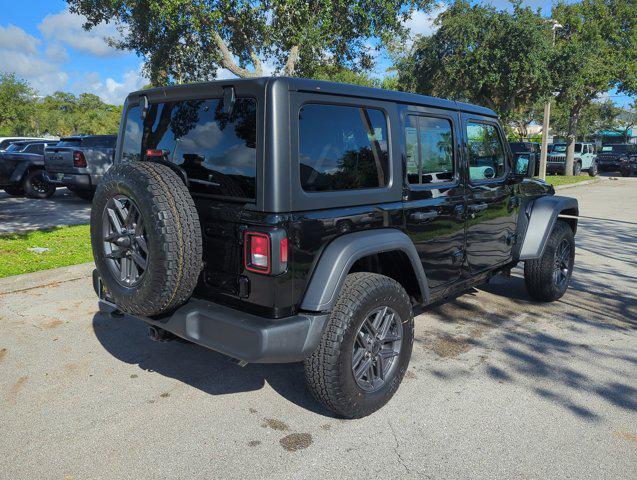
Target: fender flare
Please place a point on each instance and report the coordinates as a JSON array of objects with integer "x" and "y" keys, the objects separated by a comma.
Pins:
[
  {"x": 21, "y": 170},
  {"x": 339, "y": 256},
  {"x": 541, "y": 215}
]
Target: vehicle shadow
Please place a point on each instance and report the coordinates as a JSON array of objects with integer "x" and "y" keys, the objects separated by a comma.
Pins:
[
  {"x": 127, "y": 340},
  {"x": 558, "y": 364},
  {"x": 19, "y": 214}
]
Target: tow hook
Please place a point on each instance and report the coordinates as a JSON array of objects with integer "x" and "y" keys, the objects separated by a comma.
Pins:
[{"x": 157, "y": 334}]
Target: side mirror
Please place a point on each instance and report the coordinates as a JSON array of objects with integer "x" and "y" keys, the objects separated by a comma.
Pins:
[{"x": 524, "y": 166}]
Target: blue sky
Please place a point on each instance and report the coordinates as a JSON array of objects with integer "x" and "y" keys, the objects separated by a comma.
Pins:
[{"x": 44, "y": 43}]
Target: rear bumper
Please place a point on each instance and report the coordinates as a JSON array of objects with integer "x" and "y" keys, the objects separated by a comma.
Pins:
[
  {"x": 73, "y": 180},
  {"x": 240, "y": 335}
]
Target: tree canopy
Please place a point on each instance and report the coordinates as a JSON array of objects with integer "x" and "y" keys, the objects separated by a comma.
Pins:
[
  {"x": 596, "y": 50},
  {"x": 23, "y": 112},
  {"x": 482, "y": 55},
  {"x": 185, "y": 40}
]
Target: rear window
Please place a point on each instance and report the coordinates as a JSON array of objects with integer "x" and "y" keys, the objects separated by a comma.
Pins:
[
  {"x": 216, "y": 150},
  {"x": 69, "y": 142},
  {"x": 99, "y": 142},
  {"x": 342, "y": 148}
]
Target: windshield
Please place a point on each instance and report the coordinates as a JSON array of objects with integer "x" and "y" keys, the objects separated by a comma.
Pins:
[
  {"x": 615, "y": 148},
  {"x": 216, "y": 149},
  {"x": 557, "y": 148}
]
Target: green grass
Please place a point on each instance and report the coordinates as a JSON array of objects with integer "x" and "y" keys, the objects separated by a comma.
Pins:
[
  {"x": 67, "y": 246},
  {"x": 556, "y": 180}
]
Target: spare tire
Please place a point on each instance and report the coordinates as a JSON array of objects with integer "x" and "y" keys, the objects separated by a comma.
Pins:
[{"x": 146, "y": 238}]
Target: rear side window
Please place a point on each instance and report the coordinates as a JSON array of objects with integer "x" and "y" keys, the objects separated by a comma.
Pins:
[
  {"x": 429, "y": 144},
  {"x": 216, "y": 150},
  {"x": 35, "y": 148},
  {"x": 486, "y": 152},
  {"x": 342, "y": 148}
]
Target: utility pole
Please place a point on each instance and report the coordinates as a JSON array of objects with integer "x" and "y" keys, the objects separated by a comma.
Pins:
[{"x": 546, "y": 120}]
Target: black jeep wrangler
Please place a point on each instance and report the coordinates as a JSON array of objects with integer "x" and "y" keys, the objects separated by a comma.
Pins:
[{"x": 286, "y": 220}]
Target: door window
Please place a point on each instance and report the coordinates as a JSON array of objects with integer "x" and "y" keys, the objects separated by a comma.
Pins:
[
  {"x": 429, "y": 149},
  {"x": 487, "y": 159},
  {"x": 342, "y": 148}
]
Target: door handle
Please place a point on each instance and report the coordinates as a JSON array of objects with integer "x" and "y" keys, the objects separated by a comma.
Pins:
[{"x": 423, "y": 216}]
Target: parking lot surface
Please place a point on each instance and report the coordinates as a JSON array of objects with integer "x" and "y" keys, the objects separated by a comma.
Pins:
[
  {"x": 498, "y": 387},
  {"x": 21, "y": 214}
]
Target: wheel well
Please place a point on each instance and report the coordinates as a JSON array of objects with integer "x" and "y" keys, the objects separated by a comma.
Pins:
[
  {"x": 394, "y": 264},
  {"x": 569, "y": 215}
]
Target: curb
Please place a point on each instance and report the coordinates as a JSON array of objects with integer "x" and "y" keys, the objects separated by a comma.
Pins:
[
  {"x": 585, "y": 182},
  {"x": 45, "y": 278}
]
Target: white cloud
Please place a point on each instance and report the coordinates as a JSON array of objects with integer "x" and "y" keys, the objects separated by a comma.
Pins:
[
  {"x": 14, "y": 38},
  {"x": 19, "y": 54},
  {"x": 56, "y": 53},
  {"x": 422, "y": 23},
  {"x": 109, "y": 89},
  {"x": 66, "y": 27}
]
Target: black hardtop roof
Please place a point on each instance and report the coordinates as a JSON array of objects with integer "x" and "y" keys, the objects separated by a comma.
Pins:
[{"x": 334, "y": 88}]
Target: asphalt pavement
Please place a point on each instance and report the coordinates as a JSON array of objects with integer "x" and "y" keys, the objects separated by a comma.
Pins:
[
  {"x": 498, "y": 387},
  {"x": 21, "y": 214}
]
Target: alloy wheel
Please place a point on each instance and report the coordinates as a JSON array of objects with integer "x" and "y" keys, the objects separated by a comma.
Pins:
[
  {"x": 40, "y": 183},
  {"x": 124, "y": 240},
  {"x": 377, "y": 348},
  {"x": 562, "y": 264}
]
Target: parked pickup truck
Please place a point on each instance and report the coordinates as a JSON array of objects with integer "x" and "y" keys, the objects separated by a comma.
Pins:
[
  {"x": 217, "y": 223},
  {"x": 79, "y": 162},
  {"x": 22, "y": 169},
  {"x": 609, "y": 156},
  {"x": 584, "y": 159}
]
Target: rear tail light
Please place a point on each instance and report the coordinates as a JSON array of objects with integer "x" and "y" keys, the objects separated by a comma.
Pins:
[
  {"x": 266, "y": 252},
  {"x": 150, "y": 152},
  {"x": 78, "y": 159}
]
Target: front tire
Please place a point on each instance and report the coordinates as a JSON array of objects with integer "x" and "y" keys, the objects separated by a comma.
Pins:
[
  {"x": 547, "y": 277},
  {"x": 36, "y": 185},
  {"x": 577, "y": 169},
  {"x": 365, "y": 348},
  {"x": 592, "y": 170}
]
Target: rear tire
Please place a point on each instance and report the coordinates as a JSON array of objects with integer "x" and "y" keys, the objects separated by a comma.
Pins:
[
  {"x": 36, "y": 185},
  {"x": 592, "y": 170},
  {"x": 14, "y": 190},
  {"x": 350, "y": 342},
  {"x": 547, "y": 277},
  {"x": 577, "y": 169},
  {"x": 146, "y": 238}
]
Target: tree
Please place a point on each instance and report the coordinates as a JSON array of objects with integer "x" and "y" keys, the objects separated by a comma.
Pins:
[
  {"x": 596, "y": 51},
  {"x": 183, "y": 40},
  {"x": 16, "y": 105},
  {"x": 481, "y": 55}
]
